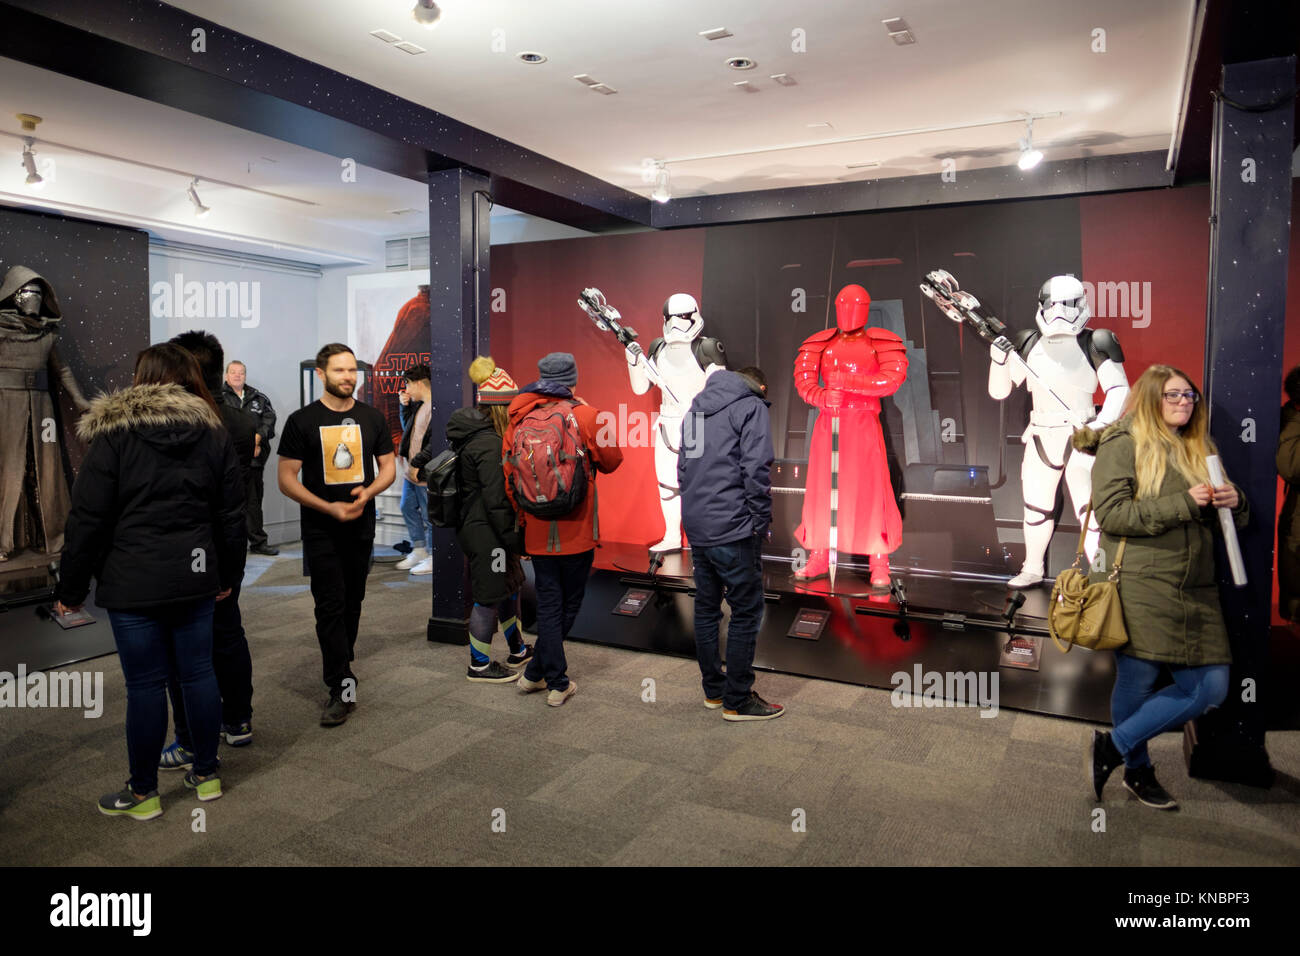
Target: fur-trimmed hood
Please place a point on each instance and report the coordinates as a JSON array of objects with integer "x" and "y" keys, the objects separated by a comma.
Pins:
[
  {"x": 1088, "y": 440},
  {"x": 163, "y": 414}
]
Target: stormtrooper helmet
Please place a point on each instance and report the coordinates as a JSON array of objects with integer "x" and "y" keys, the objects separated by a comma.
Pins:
[
  {"x": 1062, "y": 307},
  {"x": 682, "y": 319}
]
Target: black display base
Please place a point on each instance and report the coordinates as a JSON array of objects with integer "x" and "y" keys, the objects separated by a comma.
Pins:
[
  {"x": 949, "y": 625},
  {"x": 444, "y": 630},
  {"x": 28, "y": 635}
]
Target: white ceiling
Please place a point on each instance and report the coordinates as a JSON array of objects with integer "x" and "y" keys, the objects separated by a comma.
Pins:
[
  {"x": 974, "y": 61},
  {"x": 292, "y": 202}
]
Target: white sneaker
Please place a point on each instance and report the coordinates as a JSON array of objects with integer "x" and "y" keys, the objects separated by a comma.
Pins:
[
  {"x": 424, "y": 567},
  {"x": 412, "y": 559},
  {"x": 1025, "y": 579}
]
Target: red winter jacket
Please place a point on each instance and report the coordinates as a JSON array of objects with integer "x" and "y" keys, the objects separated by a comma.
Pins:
[{"x": 576, "y": 530}]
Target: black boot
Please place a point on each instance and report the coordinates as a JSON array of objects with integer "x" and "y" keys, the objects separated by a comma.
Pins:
[
  {"x": 1104, "y": 758},
  {"x": 1142, "y": 783}
]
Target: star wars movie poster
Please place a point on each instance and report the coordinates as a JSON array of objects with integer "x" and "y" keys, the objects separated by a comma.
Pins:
[{"x": 388, "y": 326}]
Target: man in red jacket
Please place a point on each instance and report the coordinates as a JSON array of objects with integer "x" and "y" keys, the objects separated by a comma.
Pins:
[{"x": 562, "y": 549}]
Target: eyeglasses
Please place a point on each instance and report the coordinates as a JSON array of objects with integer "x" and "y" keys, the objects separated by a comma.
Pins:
[{"x": 1174, "y": 398}]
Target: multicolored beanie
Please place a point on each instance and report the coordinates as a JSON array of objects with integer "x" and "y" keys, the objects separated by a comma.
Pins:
[{"x": 495, "y": 386}]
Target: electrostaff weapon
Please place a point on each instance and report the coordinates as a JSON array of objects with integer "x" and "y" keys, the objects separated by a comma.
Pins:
[
  {"x": 941, "y": 288},
  {"x": 607, "y": 319}
]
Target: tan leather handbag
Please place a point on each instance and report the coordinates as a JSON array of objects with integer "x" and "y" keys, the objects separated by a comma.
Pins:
[{"x": 1084, "y": 613}]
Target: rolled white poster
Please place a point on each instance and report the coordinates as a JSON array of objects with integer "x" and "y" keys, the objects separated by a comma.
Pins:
[{"x": 1225, "y": 522}]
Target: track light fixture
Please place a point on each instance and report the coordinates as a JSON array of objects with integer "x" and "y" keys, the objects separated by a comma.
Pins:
[
  {"x": 34, "y": 179},
  {"x": 200, "y": 211},
  {"x": 426, "y": 13},
  {"x": 663, "y": 187},
  {"x": 1029, "y": 157}
]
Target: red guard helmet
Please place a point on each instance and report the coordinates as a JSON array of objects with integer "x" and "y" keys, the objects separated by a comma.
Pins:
[{"x": 851, "y": 308}]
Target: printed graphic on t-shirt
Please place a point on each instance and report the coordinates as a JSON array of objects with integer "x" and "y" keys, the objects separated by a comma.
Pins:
[{"x": 342, "y": 455}]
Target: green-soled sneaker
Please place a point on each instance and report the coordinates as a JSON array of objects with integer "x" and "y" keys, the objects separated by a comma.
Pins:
[
  {"x": 125, "y": 804},
  {"x": 208, "y": 788}
]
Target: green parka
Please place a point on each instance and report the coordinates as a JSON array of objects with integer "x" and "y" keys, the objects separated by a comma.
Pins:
[
  {"x": 1288, "y": 522},
  {"x": 1167, "y": 585}
]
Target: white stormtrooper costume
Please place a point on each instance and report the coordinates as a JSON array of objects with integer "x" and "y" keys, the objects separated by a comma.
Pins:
[
  {"x": 1067, "y": 362},
  {"x": 681, "y": 357}
]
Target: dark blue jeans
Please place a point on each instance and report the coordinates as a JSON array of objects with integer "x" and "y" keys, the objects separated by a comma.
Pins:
[
  {"x": 561, "y": 584},
  {"x": 1139, "y": 715},
  {"x": 733, "y": 571},
  {"x": 151, "y": 644},
  {"x": 234, "y": 668}
]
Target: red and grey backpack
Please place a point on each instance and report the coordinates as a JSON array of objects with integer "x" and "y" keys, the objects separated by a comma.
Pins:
[{"x": 550, "y": 463}]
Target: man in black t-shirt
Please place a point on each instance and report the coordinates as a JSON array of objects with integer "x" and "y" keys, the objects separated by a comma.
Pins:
[{"x": 334, "y": 443}]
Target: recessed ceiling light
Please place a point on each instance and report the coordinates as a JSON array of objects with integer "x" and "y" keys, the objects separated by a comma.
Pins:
[
  {"x": 528, "y": 56},
  {"x": 899, "y": 31},
  {"x": 402, "y": 212},
  {"x": 586, "y": 78},
  {"x": 869, "y": 164},
  {"x": 746, "y": 86},
  {"x": 602, "y": 88},
  {"x": 717, "y": 33},
  {"x": 741, "y": 63},
  {"x": 385, "y": 36},
  {"x": 406, "y": 46},
  {"x": 427, "y": 13},
  {"x": 820, "y": 126},
  {"x": 785, "y": 79}
]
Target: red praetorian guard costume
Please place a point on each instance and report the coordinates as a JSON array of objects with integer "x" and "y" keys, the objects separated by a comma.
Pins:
[{"x": 858, "y": 365}]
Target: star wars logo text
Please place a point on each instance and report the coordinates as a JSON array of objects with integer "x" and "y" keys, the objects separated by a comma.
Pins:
[
  {"x": 207, "y": 300},
  {"x": 76, "y": 909}
]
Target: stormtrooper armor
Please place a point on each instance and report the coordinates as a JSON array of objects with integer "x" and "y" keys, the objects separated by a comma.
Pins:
[
  {"x": 1067, "y": 361},
  {"x": 681, "y": 356}
]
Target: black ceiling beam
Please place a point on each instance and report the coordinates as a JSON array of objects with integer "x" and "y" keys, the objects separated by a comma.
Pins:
[
  {"x": 1098, "y": 174},
  {"x": 1235, "y": 31},
  {"x": 143, "y": 48}
]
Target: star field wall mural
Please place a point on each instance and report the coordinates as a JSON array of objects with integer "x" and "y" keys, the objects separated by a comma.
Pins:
[
  {"x": 954, "y": 451},
  {"x": 99, "y": 278}
]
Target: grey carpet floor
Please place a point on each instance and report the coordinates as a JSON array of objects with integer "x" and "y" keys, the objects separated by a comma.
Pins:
[{"x": 434, "y": 770}]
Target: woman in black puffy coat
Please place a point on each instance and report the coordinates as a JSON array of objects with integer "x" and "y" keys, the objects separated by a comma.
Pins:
[
  {"x": 488, "y": 531},
  {"x": 158, "y": 520}
]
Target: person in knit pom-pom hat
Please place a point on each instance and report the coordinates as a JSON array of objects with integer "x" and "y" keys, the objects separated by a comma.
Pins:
[
  {"x": 488, "y": 527},
  {"x": 562, "y": 549}
]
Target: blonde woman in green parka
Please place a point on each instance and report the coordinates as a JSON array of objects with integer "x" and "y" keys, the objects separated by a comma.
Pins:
[{"x": 1151, "y": 486}]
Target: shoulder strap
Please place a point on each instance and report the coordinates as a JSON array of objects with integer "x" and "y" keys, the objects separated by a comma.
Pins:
[{"x": 1079, "y": 554}]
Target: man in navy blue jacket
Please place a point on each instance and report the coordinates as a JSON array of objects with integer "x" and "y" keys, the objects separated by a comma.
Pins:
[{"x": 724, "y": 472}]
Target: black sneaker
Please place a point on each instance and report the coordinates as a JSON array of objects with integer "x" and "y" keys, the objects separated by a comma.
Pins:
[
  {"x": 1103, "y": 758},
  {"x": 335, "y": 712},
  {"x": 522, "y": 658},
  {"x": 756, "y": 708},
  {"x": 493, "y": 673},
  {"x": 127, "y": 804},
  {"x": 1142, "y": 783},
  {"x": 264, "y": 549}
]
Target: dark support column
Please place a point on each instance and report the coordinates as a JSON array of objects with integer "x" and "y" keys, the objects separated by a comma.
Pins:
[
  {"x": 458, "y": 319},
  {"x": 1249, "y": 234}
]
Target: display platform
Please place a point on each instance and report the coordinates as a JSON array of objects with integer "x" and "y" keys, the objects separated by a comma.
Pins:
[
  {"x": 860, "y": 635},
  {"x": 29, "y": 636}
]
